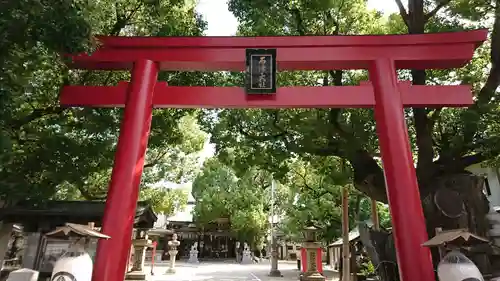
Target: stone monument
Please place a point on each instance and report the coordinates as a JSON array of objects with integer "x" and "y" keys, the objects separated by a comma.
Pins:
[
  {"x": 173, "y": 244},
  {"x": 311, "y": 246},
  {"x": 193, "y": 254},
  {"x": 247, "y": 255}
]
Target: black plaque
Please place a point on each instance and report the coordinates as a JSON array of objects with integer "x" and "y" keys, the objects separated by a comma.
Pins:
[{"x": 261, "y": 71}]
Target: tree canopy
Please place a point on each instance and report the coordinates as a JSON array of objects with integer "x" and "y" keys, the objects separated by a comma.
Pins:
[
  {"x": 219, "y": 193},
  {"x": 444, "y": 140},
  {"x": 305, "y": 197},
  {"x": 48, "y": 151},
  {"x": 316, "y": 200}
]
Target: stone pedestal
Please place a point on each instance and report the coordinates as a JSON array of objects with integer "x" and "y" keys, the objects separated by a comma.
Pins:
[
  {"x": 173, "y": 254},
  {"x": 173, "y": 244},
  {"x": 137, "y": 272}
]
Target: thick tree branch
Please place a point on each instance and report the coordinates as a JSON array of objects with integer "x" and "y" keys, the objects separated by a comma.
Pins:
[
  {"x": 335, "y": 23},
  {"x": 260, "y": 137},
  {"x": 123, "y": 20},
  {"x": 434, "y": 117},
  {"x": 303, "y": 179},
  {"x": 157, "y": 160},
  {"x": 317, "y": 194},
  {"x": 402, "y": 12},
  {"x": 368, "y": 175},
  {"x": 301, "y": 29},
  {"x": 436, "y": 9},
  {"x": 134, "y": 10}
]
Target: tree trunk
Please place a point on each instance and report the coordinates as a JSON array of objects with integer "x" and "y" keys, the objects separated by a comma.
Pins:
[{"x": 456, "y": 201}]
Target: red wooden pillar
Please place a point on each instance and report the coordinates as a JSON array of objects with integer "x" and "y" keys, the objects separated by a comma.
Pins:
[
  {"x": 415, "y": 263},
  {"x": 303, "y": 259},
  {"x": 319, "y": 260},
  {"x": 123, "y": 191}
]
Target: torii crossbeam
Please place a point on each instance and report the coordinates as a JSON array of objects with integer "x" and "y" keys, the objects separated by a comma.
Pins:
[{"x": 381, "y": 55}]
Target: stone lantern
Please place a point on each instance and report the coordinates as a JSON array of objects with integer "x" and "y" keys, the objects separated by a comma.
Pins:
[
  {"x": 173, "y": 244},
  {"x": 140, "y": 244},
  {"x": 311, "y": 247}
]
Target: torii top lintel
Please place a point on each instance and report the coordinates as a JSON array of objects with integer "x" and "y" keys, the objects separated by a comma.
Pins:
[{"x": 418, "y": 51}]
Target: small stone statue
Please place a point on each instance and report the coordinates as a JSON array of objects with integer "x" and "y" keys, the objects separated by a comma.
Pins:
[
  {"x": 247, "y": 255},
  {"x": 193, "y": 254}
]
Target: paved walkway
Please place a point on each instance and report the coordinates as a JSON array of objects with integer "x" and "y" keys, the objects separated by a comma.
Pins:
[{"x": 228, "y": 271}]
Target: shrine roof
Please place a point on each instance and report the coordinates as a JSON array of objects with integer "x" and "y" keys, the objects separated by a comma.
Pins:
[
  {"x": 59, "y": 212},
  {"x": 354, "y": 235}
]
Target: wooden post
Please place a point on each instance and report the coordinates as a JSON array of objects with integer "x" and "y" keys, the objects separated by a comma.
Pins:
[
  {"x": 345, "y": 235},
  {"x": 441, "y": 249},
  {"x": 376, "y": 222}
]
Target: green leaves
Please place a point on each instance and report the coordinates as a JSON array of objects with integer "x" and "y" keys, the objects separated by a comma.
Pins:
[
  {"x": 46, "y": 148},
  {"x": 219, "y": 193},
  {"x": 474, "y": 10},
  {"x": 314, "y": 152},
  {"x": 165, "y": 200}
]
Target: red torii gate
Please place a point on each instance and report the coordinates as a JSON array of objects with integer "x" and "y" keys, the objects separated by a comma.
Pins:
[{"x": 381, "y": 55}]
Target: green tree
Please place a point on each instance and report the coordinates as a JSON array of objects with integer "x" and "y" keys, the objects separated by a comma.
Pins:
[
  {"x": 165, "y": 200},
  {"x": 445, "y": 141},
  {"x": 316, "y": 200},
  {"x": 49, "y": 150},
  {"x": 219, "y": 193},
  {"x": 178, "y": 164}
]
